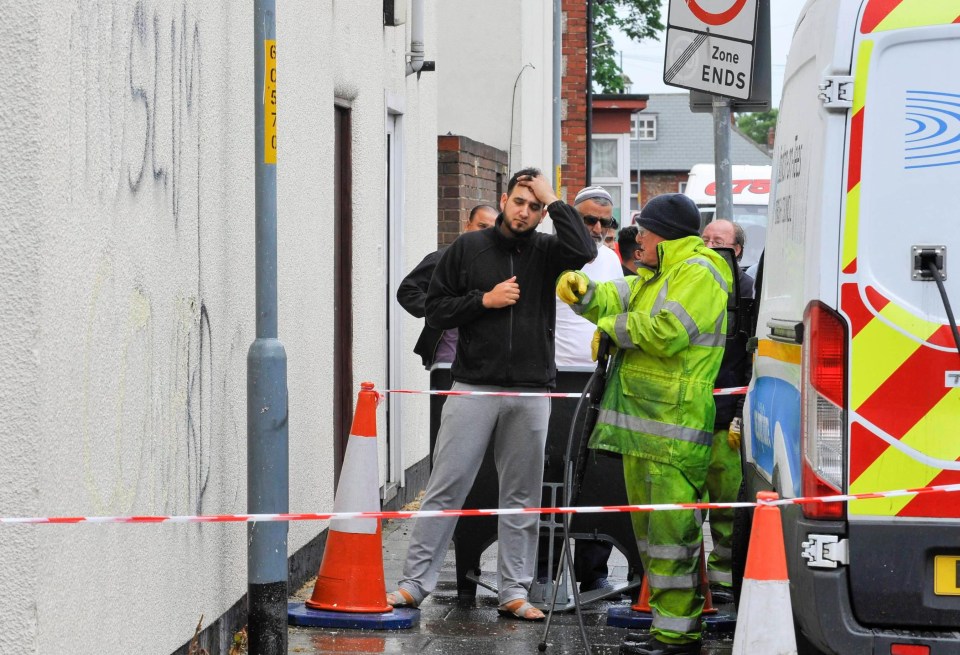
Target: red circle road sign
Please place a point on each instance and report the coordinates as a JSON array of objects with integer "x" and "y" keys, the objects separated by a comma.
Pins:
[{"x": 718, "y": 18}]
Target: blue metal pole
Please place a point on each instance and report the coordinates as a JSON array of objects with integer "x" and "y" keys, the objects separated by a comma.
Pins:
[{"x": 268, "y": 475}]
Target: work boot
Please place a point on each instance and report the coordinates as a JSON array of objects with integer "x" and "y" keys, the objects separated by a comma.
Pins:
[
  {"x": 721, "y": 595},
  {"x": 634, "y": 641},
  {"x": 595, "y": 585},
  {"x": 656, "y": 647}
]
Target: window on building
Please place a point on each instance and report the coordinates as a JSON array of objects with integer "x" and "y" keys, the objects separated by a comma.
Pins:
[
  {"x": 634, "y": 195},
  {"x": 644, "y": 127},
  {"x": 681, "y": 187}
]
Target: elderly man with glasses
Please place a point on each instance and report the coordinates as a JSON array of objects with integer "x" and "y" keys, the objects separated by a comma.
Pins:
[{"x": 724, "y": 473}]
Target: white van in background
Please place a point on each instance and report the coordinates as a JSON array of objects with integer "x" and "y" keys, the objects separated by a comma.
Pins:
[
  {"x": 856, "y": 376},
  {"x": 751, "y": 196}
]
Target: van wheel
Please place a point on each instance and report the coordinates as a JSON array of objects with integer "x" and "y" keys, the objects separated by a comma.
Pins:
[
  {"x": 804, "y": 647},
  {"x": 742, "y": 522}
]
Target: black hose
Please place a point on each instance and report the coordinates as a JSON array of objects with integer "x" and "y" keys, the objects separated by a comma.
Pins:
[{"x": 935, "y": 272}]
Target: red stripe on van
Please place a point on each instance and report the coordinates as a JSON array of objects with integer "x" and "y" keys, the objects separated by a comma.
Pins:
[
  {"x": 906, "y": 396},
  {"x": 856, "y": 149},
  {"x": 854, "y": 307},
  {"x": 875, "y": 12},
  {"x": 865, "y": 448},
  {"x": 943, "y": 337},
  {"x": 934, "y": 505},
  {"x": 851, "y": 267},
  {"x": 876, "y": 300}
]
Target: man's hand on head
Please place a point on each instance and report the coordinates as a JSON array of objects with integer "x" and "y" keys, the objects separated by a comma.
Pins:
[
  {"x": 540, "y": 187},
  {"x": 503, "y": 295}
]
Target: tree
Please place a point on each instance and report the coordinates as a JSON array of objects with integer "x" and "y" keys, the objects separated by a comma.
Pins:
[
  {"x": 757, "y": 125},
  {"x": 638, "y": 19}
]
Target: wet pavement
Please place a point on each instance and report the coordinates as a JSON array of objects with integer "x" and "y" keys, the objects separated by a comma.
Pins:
[{"x": 446, "y": 628}]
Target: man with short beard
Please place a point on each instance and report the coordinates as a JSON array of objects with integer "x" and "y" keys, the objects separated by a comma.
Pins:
[{"x": 496, "y": 287}]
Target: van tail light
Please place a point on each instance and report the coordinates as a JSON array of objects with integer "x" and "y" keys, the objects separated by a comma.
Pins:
[
  {"x": 824, "y": 420},
  {"x": 909, "y": 649}
]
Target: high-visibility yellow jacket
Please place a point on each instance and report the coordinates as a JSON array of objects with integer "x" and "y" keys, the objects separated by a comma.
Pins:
[{"x": 670, "y": 328}]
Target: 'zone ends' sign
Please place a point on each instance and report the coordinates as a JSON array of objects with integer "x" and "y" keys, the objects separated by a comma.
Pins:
[{"x": 710, "y": 46}]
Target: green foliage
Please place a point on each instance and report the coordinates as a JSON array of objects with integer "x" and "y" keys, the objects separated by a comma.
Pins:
[
  {"x": 638, "y": 19},
  {"x": 757, "y": 125}
]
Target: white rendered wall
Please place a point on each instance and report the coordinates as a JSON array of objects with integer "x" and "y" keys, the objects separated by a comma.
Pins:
[
  {"x": 484, "y": 46},
  {"x": 127, "y": 271}
]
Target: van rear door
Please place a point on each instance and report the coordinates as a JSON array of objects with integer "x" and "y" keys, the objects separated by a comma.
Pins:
[{"x": 903, "y": 196}]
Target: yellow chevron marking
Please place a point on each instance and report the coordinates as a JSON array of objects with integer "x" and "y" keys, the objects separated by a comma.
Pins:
[
  {"x": 895, "y": 470},
  {"x": 851, "y": 227},
  {"x": 875, "y": 353},
  {"x": 851, "y": 223},
  {"x": 860, "y": 78},
  {"x": 782, "y": 352},
  {"x": 919, "y": 13},
  {"x": 909, "y": 323}
]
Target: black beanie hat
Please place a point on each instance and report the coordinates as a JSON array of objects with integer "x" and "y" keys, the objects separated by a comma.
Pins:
[{"x": 671, "y": 216}]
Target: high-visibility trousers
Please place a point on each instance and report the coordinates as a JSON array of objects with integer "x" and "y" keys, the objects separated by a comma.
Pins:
[
  {"x": 724, "y": 476},
  {"x": 669, "y": 544}
]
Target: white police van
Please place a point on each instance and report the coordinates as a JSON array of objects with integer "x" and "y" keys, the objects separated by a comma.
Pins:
[{"x": 856, "y": 377}]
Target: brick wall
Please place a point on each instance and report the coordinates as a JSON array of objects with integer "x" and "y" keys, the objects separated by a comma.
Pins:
[
  {"x": 653, "y": 184},
  {"x": 468, "y": 174},
  {"x": 573, "y": 124}
]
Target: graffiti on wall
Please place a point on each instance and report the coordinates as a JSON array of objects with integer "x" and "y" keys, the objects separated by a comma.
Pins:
[{"x": 158, "y": 398}]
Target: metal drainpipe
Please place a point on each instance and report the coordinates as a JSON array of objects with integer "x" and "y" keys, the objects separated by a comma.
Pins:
[
  {"x": 268, "y": 469},
  {"x": 415, "y": 65},
  {"x": 557, "y": 101}
]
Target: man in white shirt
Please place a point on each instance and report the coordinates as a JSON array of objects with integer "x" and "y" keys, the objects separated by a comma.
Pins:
[{"x": 573, "y": 336}]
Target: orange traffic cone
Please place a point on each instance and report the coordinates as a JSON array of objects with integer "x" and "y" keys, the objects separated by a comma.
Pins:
[
  {"x": 351, "y": 573},
  {"x": 643, "y": 601},
  {"x": 765, "y": 622}
]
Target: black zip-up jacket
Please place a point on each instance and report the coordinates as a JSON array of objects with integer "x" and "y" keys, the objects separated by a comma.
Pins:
[
  {"x": 736, "y": 367},
  {"x": 511, "y": 346},
  {"x": 412, "y": 296}
]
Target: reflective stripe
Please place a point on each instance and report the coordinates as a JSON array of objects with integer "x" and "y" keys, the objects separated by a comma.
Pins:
[
  {"x": 675, "y": 623},
  {"x": 623, "y": 289},
  {"x": 637, "y": 424},
  {"x": 685, "y": 581},
  {"x": 720, "y": 576},
  {"x": 581, "y": 306},
  {"x": 674, "y": 552},
  {"x": 620, "y": 329},
  {"x": 660, "y": 300},
  {"x": 693, "y": 332},
  {"x": 722, "y": 551},
  {"x": 716, "y": 274}
]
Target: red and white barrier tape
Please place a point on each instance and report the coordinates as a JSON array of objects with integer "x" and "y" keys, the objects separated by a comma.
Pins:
[
  {"x": 601, "y": 509},
  {"x": 729, "y": 391}
]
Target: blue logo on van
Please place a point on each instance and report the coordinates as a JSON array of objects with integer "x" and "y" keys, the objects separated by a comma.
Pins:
[
  {"x": 933, "y": 129},
  {"x": 774, "y": 415}
]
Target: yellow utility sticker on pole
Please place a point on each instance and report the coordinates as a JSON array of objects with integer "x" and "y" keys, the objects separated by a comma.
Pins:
[{"x": 270, "y": 102}]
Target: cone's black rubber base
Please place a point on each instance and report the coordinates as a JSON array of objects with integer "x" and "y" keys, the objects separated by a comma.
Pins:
[{"x": 401, "y": 618}]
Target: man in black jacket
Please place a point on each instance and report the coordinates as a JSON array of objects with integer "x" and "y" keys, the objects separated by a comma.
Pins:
[
  {"x": 435, "y": 345},
  {"x": 724, "y": 474},
  {"x": 497, "y": 288}
]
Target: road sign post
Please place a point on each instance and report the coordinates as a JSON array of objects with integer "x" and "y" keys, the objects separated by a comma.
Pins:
[{"x": 710, "y": 48}]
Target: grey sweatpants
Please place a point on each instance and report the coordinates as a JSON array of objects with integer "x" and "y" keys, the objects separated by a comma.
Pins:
[{"x": 519, "y": 428}]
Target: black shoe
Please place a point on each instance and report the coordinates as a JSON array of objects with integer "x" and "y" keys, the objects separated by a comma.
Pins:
[
  {"x": 656, "y": 647},
  {"x": 721, "y": 595},
  {"x": 595, "y": 585},
  {"x": 634, "y": 642}
]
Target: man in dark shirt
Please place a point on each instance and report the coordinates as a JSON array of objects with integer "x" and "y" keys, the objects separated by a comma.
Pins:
[
  {"x": 496, "y": 287},
  {"x": 436, "y": 345}
]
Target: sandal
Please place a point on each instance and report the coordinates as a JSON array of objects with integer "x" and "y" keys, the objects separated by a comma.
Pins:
[
  {"x": 402, "y": 598},
  {"x": 519, "y": 608}
]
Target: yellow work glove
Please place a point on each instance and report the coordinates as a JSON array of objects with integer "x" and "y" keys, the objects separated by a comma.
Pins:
[
  {"x": 733, "y": 435},
  {"x": 595, "y": 345},
  {"x": 571, "y": 287}
]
